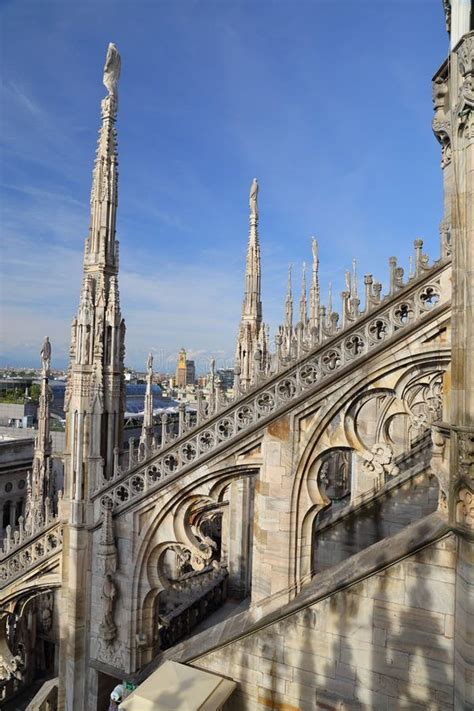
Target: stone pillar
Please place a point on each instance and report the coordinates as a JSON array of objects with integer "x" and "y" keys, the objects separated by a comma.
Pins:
[
  {"x": 271, "y": 532},
  {"x": 74, "y": 622},
  {"x": 238, "y": 522},
  {"x": 460, "y": 492}
]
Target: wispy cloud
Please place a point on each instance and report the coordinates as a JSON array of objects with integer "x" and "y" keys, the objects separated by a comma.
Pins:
[{"x": 211, "y": 95}]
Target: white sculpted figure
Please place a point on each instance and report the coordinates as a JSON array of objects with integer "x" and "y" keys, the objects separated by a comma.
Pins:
[
  {"x": 112, "y": 69},
  {"x": 45, "y": 354},
  {"x": 149, "y": 362},
  {"x": 253, "y": 198}
]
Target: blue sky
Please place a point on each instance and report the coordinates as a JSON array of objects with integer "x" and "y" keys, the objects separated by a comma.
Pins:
[{"x": 326, "y": 102}]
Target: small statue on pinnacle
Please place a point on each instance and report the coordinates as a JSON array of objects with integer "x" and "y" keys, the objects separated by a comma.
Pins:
[
  {"x": 112, "y": 69},
  {"x": 45, "y": 354},
  {"x": 253, "y": 198}
]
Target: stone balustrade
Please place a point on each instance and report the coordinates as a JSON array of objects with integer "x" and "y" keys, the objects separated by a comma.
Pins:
[
  {"x": 404, "y": 307},
  {"x": 15, "y": 538},
  {"x": 47, "y": 697},
  {"x": 33, "y": 551}
]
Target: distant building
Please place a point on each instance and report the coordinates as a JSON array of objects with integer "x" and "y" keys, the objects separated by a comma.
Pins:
[
  {"x": 185, "y": 370},
  {"x": 190, "y": 372},
  {"x": 18, "y": 414},
  {"x": 226, "y": 376},
  {"x": 181, "y": 369}
]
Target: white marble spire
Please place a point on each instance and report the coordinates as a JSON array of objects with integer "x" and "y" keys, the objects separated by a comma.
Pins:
[
  {"x": 314, "y": 297},
  {"x": 289, "y": 303},
  {"x": 303, "y": 300},
  {"x": 249, "y": 356},
  {"x": 95, "y": 393}
]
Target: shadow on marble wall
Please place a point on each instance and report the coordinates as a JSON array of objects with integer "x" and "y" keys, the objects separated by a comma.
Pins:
[{"x": 414, "y": 670}]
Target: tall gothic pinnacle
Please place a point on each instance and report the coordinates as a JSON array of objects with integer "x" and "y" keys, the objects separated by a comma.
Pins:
[
  {"x": 303, "y": 302},
  {"x": 249, "y": 357},
  {"x": 314, "y": 299},
  {"x": 289, "y": 303},
  {"x": 95, "y": 393}
]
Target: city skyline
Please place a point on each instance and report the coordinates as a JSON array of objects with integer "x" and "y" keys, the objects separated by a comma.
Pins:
[{"x": 182, "y": 233}]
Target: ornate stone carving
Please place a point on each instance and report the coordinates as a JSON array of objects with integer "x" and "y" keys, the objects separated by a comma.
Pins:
[
  {"x": 447, "y": 14},
  {"x": 465, "y": 440},
  {"x": 441, "y": 121},
  {"x": 440, "y": 462},
  {"x": 306, "y": 374},
  {"x": 44, "y": 545},
  {"x": 379, "y": 461},
  {"x": 111, "y": 654},
  {"x": 11, "y": 667},
  {"x": 45, "y": 612},
  {"x": 108, "y": 628},
  {"x": 465, "y": 508},
  {"x": 465, "y": 107}
]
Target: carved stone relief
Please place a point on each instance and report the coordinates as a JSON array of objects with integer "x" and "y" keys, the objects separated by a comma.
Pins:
[{"x": 465, "y": 508}]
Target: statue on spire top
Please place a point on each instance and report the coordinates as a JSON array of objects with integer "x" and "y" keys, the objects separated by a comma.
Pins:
[
  {"x": 112, "y": 69},
  {"x": 45, "y": 354},
  {"x": 149, "y": 363},
  {"x": 253, "y": 198}
]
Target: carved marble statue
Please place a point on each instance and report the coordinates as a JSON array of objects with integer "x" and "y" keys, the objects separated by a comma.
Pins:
[
  {"x": 112, "y": 69},
  {"x": 253, "y": 205},
  {"x": 10, "y": 667},
  {"x": 108, "y": 628},
  {"x": 45, "y": 354},
  {"x": 149, "y": 363}
]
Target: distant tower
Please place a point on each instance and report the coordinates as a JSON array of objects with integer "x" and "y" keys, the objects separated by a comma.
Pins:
[
  {"x": 95, "y": 393},
  {"x": 181, "y": 371},
  {"x": 249, "y": 357}
]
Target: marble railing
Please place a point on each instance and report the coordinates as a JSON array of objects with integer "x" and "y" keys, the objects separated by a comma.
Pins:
[
  {"x": 20, "y": 559},
  {"x": 47, "y": 697},
  {"x": 16, "y": 537},
  {"x": 409, "y": 305}
]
